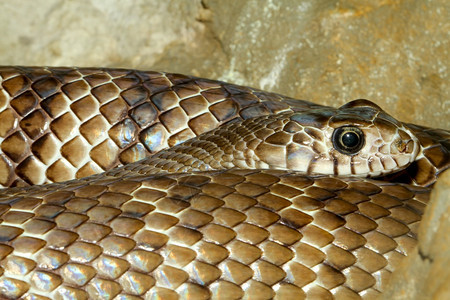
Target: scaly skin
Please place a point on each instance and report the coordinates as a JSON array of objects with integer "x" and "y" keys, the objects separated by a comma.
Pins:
[{"x": 201, "y": 233}]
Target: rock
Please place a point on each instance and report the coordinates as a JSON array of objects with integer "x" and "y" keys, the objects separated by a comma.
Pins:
[
  {"x": 395, "y": 53},
  {"x": 425, "y": 274}
]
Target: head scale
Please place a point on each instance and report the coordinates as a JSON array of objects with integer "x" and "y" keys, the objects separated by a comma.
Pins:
[{"x": 357, "y": 139}]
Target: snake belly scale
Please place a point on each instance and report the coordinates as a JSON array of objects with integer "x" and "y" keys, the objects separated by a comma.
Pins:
[{"x": 125, "y": 184}]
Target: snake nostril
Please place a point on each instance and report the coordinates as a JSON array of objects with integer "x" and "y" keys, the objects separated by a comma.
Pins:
[
  {"x": 402, "y": 146},
  {"x": 396, "y": 146},
  {"x": 409, "y": 147}
]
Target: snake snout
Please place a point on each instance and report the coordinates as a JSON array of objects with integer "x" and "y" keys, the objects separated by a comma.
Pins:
[
  {"x": 400, "y": 146},
  {"x": 404, "y": 143}
]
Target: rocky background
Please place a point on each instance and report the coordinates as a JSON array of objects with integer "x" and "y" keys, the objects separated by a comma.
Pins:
[{"x": 393, "y": 52}]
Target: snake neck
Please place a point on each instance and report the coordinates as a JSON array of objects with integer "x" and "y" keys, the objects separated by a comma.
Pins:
[{"x": 235, "y": 145}]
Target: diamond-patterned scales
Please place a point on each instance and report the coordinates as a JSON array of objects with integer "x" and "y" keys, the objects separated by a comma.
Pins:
[
  {"x": 102, "y": 240},
  {"x": 82, "y": 114}
]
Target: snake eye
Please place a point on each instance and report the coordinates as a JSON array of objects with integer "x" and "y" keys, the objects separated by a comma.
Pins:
[{"x": 348, "y": 139}]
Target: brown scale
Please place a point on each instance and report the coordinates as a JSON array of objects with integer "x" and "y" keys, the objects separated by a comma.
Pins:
[
  {"x": 229, "y": 233},
  {"x": 217, "y": 233}
]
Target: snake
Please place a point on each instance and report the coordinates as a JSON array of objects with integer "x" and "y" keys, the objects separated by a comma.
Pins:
[{"x": 128, "y": 184}]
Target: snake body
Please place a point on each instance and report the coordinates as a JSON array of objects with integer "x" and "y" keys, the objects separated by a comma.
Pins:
[{"x": 208, "y": 190}]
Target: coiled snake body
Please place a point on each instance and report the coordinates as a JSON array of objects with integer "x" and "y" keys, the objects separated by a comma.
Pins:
[{"x": 249, "y": 195}]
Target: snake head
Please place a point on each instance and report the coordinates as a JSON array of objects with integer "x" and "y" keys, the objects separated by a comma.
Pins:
[{"x": 356, "y": 139}]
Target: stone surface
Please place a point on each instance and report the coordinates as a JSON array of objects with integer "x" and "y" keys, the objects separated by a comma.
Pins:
[
  {"x": 425, "y": 274},
  {"x": 395, "y": 53}
]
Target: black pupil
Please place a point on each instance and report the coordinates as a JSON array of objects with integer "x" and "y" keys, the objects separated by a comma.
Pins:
[{"x": 350, "y": 139}]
